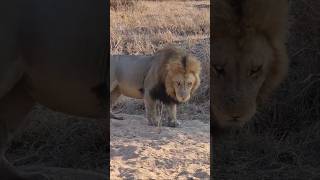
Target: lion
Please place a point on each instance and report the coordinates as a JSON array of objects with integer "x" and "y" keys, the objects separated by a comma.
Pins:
[
  {"x": 45, "y": 59},
  {"x": 249, "y": 57},
  {"x": 170, "y": 77}
]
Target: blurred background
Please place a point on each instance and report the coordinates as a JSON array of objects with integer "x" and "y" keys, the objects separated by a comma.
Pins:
[{"x": 283, "y": 141}]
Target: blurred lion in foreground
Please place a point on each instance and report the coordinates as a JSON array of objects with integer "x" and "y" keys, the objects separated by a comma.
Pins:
[
  {"x": 170, "y": 77},
  {"x": 249, "y": 57}
]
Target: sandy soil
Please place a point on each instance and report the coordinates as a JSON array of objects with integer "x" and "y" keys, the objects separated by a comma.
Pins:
[{"x": 139, "y": 151}]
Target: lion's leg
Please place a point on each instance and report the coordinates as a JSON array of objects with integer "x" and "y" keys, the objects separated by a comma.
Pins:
[
  {"x": 172, "y": 120},
  {"x": 114, "y": 95},
  {"x": 14, "y": 107},
  {"x": 151, "y": 111}
]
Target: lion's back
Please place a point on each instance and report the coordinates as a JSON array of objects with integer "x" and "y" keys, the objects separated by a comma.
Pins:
[{"x": 130, "y": 72}]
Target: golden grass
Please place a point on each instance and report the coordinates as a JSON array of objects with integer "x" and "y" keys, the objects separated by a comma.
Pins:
[
  {"x": 121, "y": 4},
  {"x": 150, "y": 25}
]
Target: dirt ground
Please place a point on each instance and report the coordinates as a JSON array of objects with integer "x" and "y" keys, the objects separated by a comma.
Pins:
[{"x": 139, "y": 151}]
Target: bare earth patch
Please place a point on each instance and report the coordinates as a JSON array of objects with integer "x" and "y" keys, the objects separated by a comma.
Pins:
[{"x": 139, "y": 151}]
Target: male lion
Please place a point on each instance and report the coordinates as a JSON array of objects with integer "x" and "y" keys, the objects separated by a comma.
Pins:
[
  {"x": 249, "y": 56},
  {"x": 49, "y": 55},
  {"x": 170, "y": 76}
]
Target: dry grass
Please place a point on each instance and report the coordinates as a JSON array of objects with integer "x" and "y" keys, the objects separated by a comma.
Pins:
[
  {"x": 121, "y": 4},
  {"x": 151, "y": 25}
]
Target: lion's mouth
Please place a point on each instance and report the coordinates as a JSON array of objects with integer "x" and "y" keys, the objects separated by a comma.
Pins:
[{"x": 182, "y": 100}]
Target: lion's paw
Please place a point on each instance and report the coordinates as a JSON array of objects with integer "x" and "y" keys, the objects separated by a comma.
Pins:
[
  {"x": 174, "y": 124},
  {"x": 151, "y": 123}
]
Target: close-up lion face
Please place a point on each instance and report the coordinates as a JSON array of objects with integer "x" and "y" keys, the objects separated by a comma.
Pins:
[
  {"x": 183, "y": 78},
  {"x": 183, "y": 84},
  {"x": 240, "y": 69}
]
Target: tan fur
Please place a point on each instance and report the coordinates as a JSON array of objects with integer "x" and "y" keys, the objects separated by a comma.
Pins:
[
  {"x": 249, "y": 58},
  {"x": 134, "y": 73},
  {"x": 171, "y": 67}
]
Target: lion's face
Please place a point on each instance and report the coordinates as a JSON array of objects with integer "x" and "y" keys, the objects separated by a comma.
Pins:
[
  {"x": 240, "y": 69},
  {"x": 183, "y": 85},
  {"x": 183, "y": 78}
]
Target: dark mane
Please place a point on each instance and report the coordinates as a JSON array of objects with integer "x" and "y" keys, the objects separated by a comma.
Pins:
[{"x": 158, "y": 92}]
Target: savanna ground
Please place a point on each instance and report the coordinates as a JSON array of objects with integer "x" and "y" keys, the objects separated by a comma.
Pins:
[
  {"x": 139, "y": 151},
  {"x": 283, "y": 141}
]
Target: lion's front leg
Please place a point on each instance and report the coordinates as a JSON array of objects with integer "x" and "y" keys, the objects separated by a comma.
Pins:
[
  {"x": 151, "y": 111},
  {"x": 114, "y": 95},
  {"x": 172, "y": 119}
]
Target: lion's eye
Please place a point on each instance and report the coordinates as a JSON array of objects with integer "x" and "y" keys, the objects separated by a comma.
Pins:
[
  {"x": 255, "y": 71},
  {"x": 219, "y": 69}
]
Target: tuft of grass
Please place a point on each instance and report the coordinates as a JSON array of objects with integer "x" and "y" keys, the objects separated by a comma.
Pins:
[{"x": 122, "y": 4}]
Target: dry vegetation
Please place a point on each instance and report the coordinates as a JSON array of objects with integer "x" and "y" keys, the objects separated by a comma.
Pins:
[
  {"x": 284, "y": 140},
  {"x": 148, "y": 26}
]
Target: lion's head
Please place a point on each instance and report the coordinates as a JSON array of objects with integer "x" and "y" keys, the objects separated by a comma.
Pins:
[
  {"x": 180, "y": 74},
  {"x": 249, "y": 58}
]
